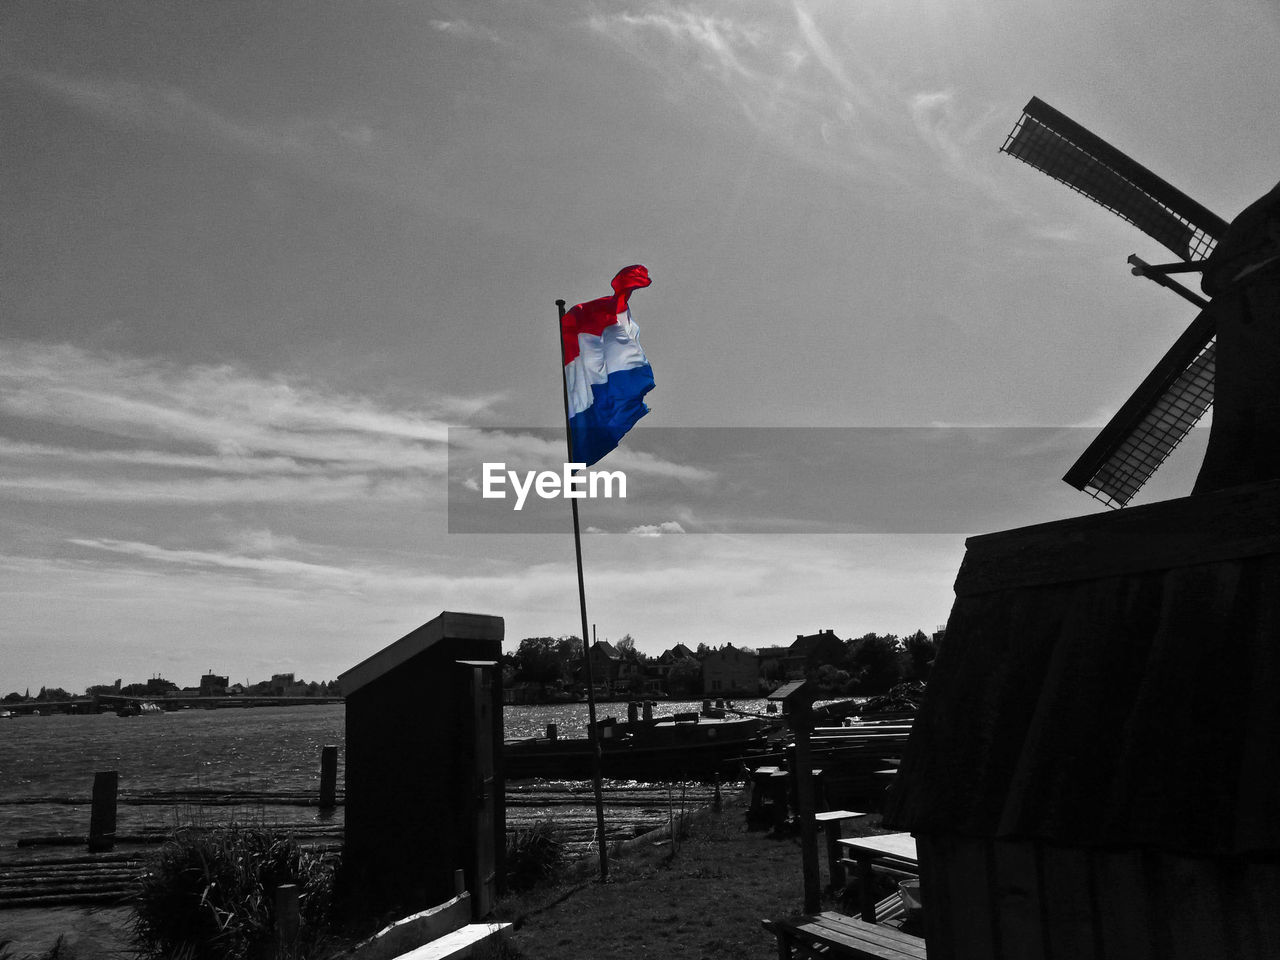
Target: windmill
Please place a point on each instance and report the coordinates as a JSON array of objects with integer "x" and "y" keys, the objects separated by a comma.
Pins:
[{"x": 1182, "y": 386}]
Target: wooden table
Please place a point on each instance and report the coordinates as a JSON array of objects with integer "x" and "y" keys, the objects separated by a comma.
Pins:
[
  {"x": 891, "y": 853},
  {"x": 829, "y": 823}
]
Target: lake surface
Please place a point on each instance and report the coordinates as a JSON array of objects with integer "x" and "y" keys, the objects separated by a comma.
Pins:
[{"x": 260, "y": 750}]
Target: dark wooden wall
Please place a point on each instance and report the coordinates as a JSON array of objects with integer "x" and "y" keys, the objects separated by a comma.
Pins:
[
  {"x": 1017, "y": 900},
  {"x": 1095, "y": 771},
  {"x": 410, "y": 779}
]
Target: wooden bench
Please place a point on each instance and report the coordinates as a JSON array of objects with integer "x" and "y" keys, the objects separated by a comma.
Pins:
[{"x": 827, "y": 935}]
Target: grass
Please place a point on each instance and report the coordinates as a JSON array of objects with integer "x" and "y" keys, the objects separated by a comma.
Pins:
[{"x": 703, "y": 901}]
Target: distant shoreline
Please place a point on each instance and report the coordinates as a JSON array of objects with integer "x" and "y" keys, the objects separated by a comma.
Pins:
[{"x": 110, "y": 703}]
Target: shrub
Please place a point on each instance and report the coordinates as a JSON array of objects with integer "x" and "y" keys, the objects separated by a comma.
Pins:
[
  {"x": 535, "y": 856},
  {"x": 210, "y": 895}
]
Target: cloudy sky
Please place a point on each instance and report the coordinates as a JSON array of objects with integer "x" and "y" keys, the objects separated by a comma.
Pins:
[{"x": 258, "y": 259}]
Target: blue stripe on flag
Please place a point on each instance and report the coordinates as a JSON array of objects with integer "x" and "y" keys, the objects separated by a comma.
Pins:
[{"x": 616, "y": 405}]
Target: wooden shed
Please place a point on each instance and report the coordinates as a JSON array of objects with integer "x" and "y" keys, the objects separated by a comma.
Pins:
[
  {"x": 424, "y": 784},
  {"x": 1095, "y": 771}
]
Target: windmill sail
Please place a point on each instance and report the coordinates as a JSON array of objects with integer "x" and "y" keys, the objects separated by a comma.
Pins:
[
  {"x": 1176, "y": 394},
  {"x": 1058, "y": 146},
  {"x": 1153, "y": 421}
]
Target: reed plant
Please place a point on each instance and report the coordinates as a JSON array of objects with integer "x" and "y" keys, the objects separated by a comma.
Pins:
[
  {"x": 210, "y": 894},
  {"x": 535, "y": 856}
]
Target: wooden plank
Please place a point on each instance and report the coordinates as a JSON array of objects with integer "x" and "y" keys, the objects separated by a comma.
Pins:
[
  {"x": 1256, "y": 915},
  {"x": 1258, "y": 786},
  {"x": 458, "y": 944},
  {"x": 828, "y": 816},
  {"x": 983, "y": 693},
  {"x": 1067, "y": 901},
  {"x": 415, "y": 930},
  {"x": 881, "y": 933},
  {"x": 969, "y": 902},
  {"x": 933, "y": 889},
  {"x": 1124, "y": 918},
  {"x": 901, "y": 872},
  {"x": 1226, "y": 524},
  {"x": 1198, "y": 909},
  {"x": 1057, "y": 789},
  {"x": 896, "y": 846},
  {"x": 857, "y": 939},
  {"x": 1175, "y": 770},
  {"x": 1017, "y": 901}
]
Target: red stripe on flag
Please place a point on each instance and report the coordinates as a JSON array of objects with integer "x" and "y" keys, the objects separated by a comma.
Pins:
[{"x": 593, "y": 316}]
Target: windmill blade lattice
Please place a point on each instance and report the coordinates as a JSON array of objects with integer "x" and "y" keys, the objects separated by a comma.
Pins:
[
  {"x": 1176, "y": 394},
  {"x": 1056, "y": 145},
  {"x": 1153, "y": 421}
]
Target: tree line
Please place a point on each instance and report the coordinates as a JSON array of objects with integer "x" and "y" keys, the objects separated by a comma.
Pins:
[{"x": 869, "y": 664}]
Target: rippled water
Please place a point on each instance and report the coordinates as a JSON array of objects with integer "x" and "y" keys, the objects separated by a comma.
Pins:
[{"x": 267, "y": 749}]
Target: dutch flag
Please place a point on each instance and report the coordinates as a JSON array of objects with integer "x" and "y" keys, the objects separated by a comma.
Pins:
[{"x": 606, "y": 373}]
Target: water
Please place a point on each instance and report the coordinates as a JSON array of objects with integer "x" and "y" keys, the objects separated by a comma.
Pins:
[{"x": 265, "y": 749}]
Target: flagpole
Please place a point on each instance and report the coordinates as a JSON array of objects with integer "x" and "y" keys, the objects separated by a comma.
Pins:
[{"x": 593, "y": 733}]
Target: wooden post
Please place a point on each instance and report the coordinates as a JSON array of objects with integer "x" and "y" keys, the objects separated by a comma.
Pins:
[
  {"x": 553, "y": 732},
  {"x": 459, "y": 883},
  {"x": 328, "y": 777},
  {"x": 801, "y": 722},
  {"x": 288, "y": 916},
  {"x": 102, "y": 815},
  {"x": 647, "y": 711},
  {"x": 633, "y": 711}
]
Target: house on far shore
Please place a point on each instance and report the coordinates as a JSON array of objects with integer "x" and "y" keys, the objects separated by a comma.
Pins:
[
  {"x": 810, "y": 652},
  {"x": 658, "y": 670},
  {"x": 731, "y": 671},
  {"x": 212, "y": 685},
  {"x": 613, "y": 672},
  {"x": 284, "y": 685},
  {"x": 772, "y": 667}
]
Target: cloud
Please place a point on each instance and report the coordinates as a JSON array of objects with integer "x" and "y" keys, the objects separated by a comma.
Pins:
[
  {"x": 272, "y": 565},
  {"x": 150, "y": 430},
  {"x": 319, "y": 610},
  {"x": 959, "y": 135},
  {"x": 658, "y": 529},
  {"x": 170, "y": 107},
  {"x": 775, "y": 67},
  {"x": 466, "y": 30},
  {"x": 260, "y": 541}
]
